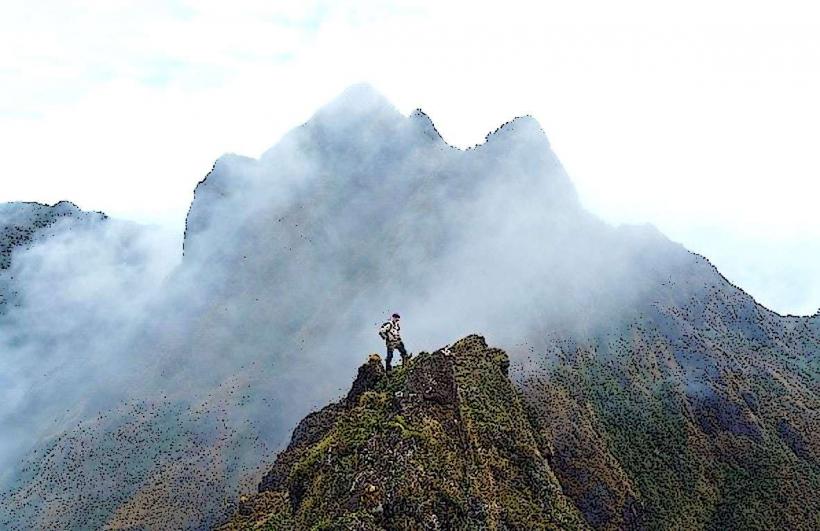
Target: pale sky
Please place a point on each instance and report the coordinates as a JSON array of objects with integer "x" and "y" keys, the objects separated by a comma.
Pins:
[{"x": 700, "y": 117}]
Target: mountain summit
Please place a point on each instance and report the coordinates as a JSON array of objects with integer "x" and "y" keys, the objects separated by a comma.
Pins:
[{"x": 359, "y": 149}]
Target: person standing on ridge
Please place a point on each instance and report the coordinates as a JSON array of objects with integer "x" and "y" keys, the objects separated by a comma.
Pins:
[{"x": 391, "y": 333}]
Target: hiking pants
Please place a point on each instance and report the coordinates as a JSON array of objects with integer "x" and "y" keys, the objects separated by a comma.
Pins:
[{"x": 390, "y": 347}]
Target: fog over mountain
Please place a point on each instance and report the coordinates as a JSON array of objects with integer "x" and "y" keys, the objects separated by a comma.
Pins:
[
  {"x": 72, "y": 285},
  {"x": 124, "y": 357}
]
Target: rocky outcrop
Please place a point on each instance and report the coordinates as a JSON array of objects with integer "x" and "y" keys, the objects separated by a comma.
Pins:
[{"x": 443, "y": 443}]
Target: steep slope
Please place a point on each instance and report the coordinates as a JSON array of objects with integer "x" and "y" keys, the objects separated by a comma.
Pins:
[
  {"x": 704, "y": 410},
  {"x": 441, "y": 444},
  {"x": 179, "y": 446}
]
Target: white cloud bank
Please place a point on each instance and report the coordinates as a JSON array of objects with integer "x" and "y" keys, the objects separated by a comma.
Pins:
[{"x": 701, "y": 119}]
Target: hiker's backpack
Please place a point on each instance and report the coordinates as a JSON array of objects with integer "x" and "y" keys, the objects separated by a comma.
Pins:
[{"x": 382, "y": 331}]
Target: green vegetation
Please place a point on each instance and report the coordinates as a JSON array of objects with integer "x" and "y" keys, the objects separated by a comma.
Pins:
[
  {"x": 441, "y": 443},
  {"x": 447, "y": 442}
]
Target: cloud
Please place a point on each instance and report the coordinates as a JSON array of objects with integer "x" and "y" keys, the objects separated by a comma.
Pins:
[
  {"x": 704, "y": 114},
  {"x": 79, "y": 293}
]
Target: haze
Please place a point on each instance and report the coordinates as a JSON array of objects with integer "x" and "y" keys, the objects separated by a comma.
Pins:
[{"x": 700, "y": 119}]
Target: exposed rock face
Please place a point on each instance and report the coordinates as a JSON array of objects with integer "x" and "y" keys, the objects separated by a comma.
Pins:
[
  {"x": 443, "y": 443},
  {"x": 370, "y": 374}
]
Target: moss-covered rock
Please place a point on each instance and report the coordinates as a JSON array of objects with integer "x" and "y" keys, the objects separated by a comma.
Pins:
[{"x": 442, "y": 443}]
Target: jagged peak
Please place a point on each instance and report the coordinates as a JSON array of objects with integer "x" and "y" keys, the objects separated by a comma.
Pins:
[
  {"x": 66, "y": 207},
  {"x": 66, "y": 204},
  {"x": 361, "y": 105},
  {"x": 425, "y": 125},
  {"x": 519, "y": 127}
]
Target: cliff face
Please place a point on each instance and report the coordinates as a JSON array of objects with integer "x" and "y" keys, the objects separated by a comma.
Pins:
[{"x": 443, "y": 443}]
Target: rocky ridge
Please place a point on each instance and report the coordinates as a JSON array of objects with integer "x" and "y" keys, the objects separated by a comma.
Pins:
[{"x": 443, "y": 443}]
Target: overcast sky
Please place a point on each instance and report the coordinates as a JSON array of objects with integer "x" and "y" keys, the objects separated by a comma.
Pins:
[{"x": 700, "y": 117}]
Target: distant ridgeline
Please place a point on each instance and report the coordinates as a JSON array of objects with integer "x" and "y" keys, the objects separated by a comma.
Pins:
[
  {"x": 22, "y": 224},
  {"x": 645, "y": 391}
]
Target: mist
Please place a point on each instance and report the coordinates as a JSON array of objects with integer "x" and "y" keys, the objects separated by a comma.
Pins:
[
  {"x": 290, "y": 262},
  {"x": 75, "y": 293}
]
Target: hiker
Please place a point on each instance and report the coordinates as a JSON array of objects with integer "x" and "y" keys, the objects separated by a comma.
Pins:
[{"x": 390, "y": 332}]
